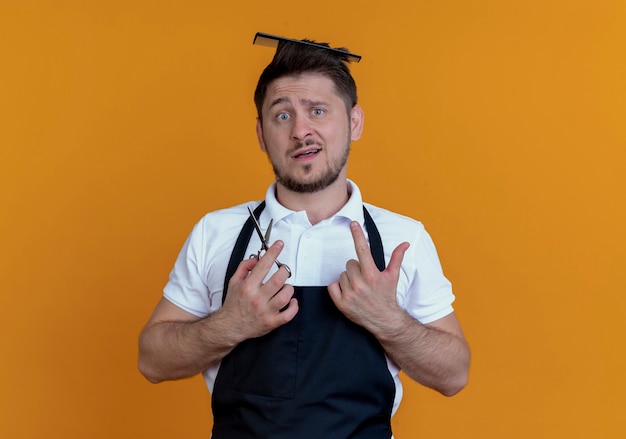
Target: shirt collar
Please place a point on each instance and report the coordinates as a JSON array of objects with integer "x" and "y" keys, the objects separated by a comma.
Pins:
[{"x": 352, "y": 210}]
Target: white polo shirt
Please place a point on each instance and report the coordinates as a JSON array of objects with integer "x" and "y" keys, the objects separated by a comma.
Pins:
[{"x": 317, "y": 255}]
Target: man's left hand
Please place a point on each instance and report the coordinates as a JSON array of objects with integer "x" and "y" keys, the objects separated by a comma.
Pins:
[{"x": 364, "y": 294}]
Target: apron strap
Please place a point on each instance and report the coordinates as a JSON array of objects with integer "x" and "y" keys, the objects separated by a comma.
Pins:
[{"x": 376, "y": 245}]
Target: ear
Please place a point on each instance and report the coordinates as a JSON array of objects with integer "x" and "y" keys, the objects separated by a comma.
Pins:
[
  {"x": 259, "y": 134},
  {"x": 357, "y": 119}
]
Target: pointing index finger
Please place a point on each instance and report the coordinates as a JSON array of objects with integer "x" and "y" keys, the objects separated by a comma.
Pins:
[{"x": 362, "y": 247}]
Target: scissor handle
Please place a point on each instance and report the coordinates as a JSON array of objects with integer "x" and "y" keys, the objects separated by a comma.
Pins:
[
  {"x": 277, "y": 262},
  {"x": 286, "y": 267}
]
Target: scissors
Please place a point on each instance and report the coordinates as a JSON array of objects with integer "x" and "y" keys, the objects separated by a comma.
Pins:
[{"x": 265, "y": 238}]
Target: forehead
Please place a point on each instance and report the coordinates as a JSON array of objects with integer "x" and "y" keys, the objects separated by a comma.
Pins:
[{"x": 308, "y": 86}]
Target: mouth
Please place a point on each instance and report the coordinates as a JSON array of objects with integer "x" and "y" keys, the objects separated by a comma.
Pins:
[{"x": 309, "y": 153}]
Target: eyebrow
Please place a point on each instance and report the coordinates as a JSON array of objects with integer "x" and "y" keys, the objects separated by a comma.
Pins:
[{"x": 307, "y": 102}]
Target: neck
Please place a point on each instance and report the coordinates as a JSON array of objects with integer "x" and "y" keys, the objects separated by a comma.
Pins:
[{"x": 318, "y": 205}]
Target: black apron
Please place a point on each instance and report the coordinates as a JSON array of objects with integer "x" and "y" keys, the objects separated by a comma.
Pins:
[{"x": 319, "y": 376}]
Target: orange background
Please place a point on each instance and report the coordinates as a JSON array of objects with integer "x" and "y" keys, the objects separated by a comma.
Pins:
[{"x": 499, "y": 124}]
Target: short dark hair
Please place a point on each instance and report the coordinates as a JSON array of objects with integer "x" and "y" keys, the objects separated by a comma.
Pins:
[{"x": 294, "y": 59}]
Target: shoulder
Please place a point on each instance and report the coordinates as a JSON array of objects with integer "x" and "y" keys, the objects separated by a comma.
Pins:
[
  {"x": 395, "y": 229},
  {"x": 394, "y": 224},
  {"x": 216, "y": 231},
  {"x": 222, "y": 220}
]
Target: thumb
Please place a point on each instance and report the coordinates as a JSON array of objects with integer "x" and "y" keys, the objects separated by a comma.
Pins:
[
  {"x": 397, "y": 257},
  {"x": 244, "y": 268}
]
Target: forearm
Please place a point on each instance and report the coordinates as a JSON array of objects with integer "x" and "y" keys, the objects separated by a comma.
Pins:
[
  {"x": 432, "y": 356},
  {"x": 170, "y": 350}
]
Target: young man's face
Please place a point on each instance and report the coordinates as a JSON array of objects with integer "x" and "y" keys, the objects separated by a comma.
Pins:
[{"x": 306, "y": 131}]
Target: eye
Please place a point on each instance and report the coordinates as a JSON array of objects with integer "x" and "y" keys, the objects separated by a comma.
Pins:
[
  {"x": 283, "y": 116},
  {"x": 318, "y": 111}
]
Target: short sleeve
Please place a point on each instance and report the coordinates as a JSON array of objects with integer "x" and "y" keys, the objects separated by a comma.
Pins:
[
  {"x": 186, "y": 287},
  {"x": 429, "y": 293}
]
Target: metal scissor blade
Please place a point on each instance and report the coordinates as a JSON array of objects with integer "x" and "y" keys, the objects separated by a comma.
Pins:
[
  {"x": 269, "y": 231},
  {"x": 258, "y": 229},
  {"x": 266, "y": 238}
]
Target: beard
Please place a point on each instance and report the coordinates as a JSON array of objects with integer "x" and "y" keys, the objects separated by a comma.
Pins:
[{"x": 321, "y": 182}]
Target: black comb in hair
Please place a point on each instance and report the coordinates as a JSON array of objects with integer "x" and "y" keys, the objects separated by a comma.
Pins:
[{"x": 263, "y": 39}]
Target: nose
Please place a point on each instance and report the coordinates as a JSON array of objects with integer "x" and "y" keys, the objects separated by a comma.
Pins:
[{"x": 300, "y": 128}]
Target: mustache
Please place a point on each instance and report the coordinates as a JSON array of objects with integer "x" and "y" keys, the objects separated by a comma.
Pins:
[{"x": 307, "y": 142}]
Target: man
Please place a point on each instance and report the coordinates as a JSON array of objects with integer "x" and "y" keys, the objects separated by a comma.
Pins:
[{"x": 311, "y": 349}]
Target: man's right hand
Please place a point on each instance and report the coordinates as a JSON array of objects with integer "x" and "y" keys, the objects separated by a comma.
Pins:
[
  {"x": 176, "y": 344},
  {"x": 255, "y": 308}
]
